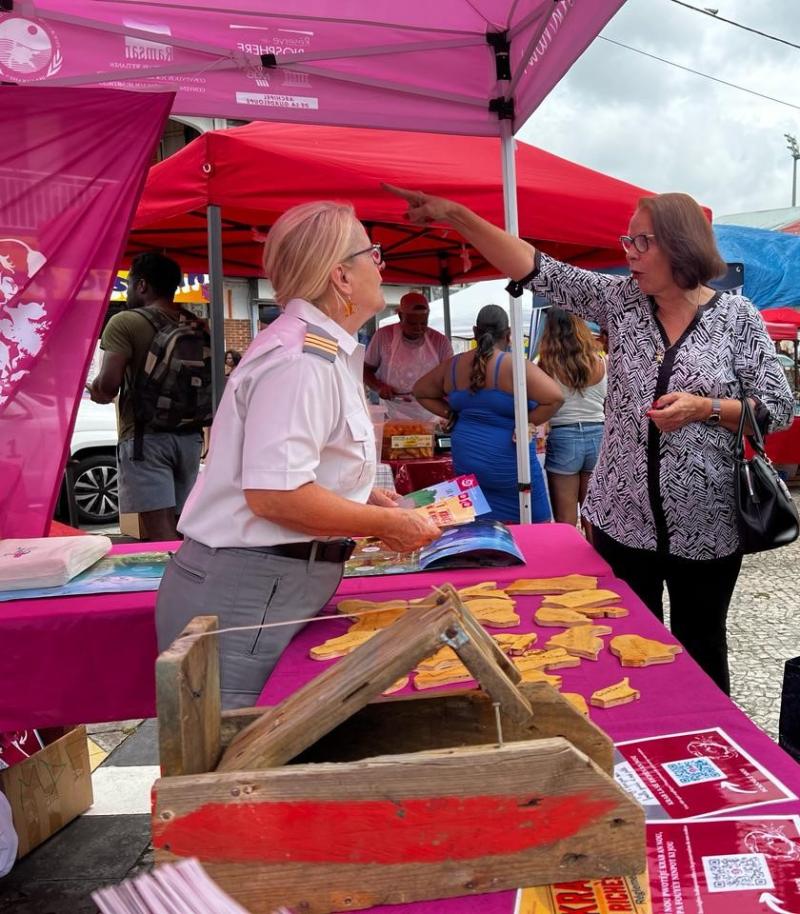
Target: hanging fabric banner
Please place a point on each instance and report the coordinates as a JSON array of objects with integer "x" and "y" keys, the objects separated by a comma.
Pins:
[{"x": 72, "y": 167}]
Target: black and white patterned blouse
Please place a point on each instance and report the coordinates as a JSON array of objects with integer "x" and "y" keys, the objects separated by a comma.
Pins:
[{"x": 672, "y": 491}]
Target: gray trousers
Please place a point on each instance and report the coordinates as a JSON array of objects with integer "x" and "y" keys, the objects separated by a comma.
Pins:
[{"x": 242, "y": 587}]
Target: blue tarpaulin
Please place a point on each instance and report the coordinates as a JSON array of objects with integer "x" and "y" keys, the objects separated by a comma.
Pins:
[{"x": 771, "y": 263}]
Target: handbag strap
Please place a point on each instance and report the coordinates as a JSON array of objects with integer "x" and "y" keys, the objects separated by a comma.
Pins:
[{"x": 756, "y": 439}]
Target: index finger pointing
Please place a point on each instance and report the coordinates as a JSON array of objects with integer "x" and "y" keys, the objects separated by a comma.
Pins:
[{"x": 411, "y": 196}]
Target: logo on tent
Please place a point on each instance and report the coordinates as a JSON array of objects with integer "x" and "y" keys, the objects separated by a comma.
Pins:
[
  {"x": 143, "y": 50},
  {"x": 29, "y": 50},
  {"x": 23, "y": 324}
]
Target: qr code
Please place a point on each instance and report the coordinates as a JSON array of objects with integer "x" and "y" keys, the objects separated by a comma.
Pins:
[
  {"x": 737, "y": 873},
  {"x": 693, "y": 771}
]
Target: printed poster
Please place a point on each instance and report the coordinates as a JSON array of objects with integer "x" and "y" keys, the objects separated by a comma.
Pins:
[
  {"x": 700, "y": 773},
  {"x": 725, "y": 866}
]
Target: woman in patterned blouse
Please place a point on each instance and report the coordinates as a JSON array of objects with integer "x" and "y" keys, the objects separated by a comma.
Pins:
[{"x": 661, "y": 500}]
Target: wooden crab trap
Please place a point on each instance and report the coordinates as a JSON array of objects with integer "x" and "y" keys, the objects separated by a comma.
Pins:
[{"x": 335, "y": 801}]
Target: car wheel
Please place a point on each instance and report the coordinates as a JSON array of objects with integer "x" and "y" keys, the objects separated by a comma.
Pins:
[{"x": 94, "y": 489}]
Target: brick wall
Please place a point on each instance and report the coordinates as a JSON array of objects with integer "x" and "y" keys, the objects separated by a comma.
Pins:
[{"x": 237, "y": 335}]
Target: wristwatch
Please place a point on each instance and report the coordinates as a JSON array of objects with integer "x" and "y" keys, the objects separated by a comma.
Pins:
[{"x": 716, "y": 409}]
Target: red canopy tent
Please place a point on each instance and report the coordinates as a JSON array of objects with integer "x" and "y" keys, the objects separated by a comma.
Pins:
[
  {"x": 782, "y": 316},
  {"x": 254, "y": 173},
  {"x": 779, "y": 331}
]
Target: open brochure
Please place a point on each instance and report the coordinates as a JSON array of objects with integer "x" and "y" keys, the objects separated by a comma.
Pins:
[{"x": 474, "y": 545}]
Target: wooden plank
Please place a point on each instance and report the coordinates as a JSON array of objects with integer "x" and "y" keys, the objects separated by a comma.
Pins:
[
  {"x": 416, "y": 723},
  {"x": 492, "y": 679},
  {"x": 481, "y": 637},
  {"x": 323, "y": 838},
  {"x": 320, "y": 705},
  {"x": 188, "y": 701}
]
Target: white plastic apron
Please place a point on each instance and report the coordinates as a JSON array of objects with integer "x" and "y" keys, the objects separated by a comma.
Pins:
[{"x": 406, "y": 364}]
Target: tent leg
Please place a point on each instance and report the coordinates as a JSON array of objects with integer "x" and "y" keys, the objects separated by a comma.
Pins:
[
  {"x": 216, "y": 305},
  {"x": 446, "y": 310},
  {"x": 517, "y": 353}
]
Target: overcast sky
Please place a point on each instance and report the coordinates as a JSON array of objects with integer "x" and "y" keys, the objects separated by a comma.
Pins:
[{"x": 664, "y": 129}]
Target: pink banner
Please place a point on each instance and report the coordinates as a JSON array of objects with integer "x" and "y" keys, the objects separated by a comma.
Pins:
[{"x": 71, "y": 171}]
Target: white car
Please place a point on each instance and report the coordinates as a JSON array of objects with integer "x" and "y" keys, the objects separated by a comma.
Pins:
[{"x": 94, "y": 476}]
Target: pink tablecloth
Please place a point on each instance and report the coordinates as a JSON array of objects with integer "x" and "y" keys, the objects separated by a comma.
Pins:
[
  {"x": 70, "y": 660},
  {"x": 675, "y": 698},
  {"x": 90, "y": 659}
]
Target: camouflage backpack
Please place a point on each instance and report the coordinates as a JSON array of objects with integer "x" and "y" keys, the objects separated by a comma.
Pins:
[{"x": 173, "y": 391}]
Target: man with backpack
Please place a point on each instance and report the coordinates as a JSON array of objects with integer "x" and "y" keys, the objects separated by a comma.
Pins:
[{"x": 157, "y": 357}]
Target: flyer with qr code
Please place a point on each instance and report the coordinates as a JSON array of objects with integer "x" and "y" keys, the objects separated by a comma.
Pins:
[
  {"x": 700, "y": 773},
  {"x": 725, "y": 866}
]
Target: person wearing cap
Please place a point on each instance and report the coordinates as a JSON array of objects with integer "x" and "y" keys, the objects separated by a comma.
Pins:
[
  {"x": 400, "y": 354},
  {"x": 291, "y": 468}
]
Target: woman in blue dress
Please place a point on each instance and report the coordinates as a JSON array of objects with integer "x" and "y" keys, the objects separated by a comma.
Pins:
[{"x": 475, "y": 391}]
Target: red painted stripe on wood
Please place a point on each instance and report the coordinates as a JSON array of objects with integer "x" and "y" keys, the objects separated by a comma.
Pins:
[{"x": 419, "y": 830}]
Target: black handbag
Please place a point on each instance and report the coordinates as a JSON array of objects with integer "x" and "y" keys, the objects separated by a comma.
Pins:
[{"x": 766, "y": 512}]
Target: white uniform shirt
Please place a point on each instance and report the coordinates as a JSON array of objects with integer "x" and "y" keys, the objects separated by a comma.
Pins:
[{"x": 288, "y": 417}]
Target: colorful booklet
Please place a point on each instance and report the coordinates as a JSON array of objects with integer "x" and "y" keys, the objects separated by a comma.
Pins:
[
  {"x": 451, "y": 503},
  {"x": 482, "y": 543},
  {"x": 464, "y": 488}
]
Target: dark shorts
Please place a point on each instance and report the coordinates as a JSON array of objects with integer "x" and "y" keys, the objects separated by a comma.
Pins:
[
  {"x": 164, "y": 478},
  {"x": 574, "y": 448}
]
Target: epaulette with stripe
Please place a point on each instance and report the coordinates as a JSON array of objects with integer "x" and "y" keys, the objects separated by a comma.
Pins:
[{"x": 319, "y": 342}]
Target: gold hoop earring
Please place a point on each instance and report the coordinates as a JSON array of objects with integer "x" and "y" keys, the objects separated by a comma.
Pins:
[{"x": 349, "y": 307}]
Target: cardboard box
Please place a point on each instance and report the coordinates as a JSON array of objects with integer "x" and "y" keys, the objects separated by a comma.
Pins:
[
  {"x": 130, "y": 525},
  {"x": 49, "y": 789}
]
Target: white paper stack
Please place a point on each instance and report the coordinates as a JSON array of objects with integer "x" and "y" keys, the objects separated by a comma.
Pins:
[
  {"x": 175, "y": 888},
  {"x": 49, "y": 561}
]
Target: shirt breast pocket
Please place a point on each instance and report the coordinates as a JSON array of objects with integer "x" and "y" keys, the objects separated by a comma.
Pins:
[{"x": 360, "y": 447}]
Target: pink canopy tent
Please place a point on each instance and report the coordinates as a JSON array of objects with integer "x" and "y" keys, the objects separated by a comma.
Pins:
[
  {"x": 476, "y": 67},
  {"x": 456, "y": 66}
]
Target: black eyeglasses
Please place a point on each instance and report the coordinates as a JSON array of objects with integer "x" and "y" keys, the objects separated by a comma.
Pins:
[
  {"x": 374, "y": 250},
  {"x": 641, "y": 242}
]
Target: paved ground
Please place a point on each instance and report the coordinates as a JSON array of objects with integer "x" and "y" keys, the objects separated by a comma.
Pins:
[
  {"x": 764, "y": 630},
  {"x": 111, "y": 842}
]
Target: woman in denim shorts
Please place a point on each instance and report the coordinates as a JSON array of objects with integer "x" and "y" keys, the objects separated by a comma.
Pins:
[{"x": 568, "y": 354}]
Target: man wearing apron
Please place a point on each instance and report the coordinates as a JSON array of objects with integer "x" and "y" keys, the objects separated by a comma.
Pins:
[{"x": 400, "y": 354}]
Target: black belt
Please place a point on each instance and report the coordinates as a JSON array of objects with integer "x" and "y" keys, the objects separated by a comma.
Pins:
[{"x": 321, "y": 550}]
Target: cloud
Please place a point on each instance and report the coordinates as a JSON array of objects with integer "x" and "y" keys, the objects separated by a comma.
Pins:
[{"x": 665, "y": 129}]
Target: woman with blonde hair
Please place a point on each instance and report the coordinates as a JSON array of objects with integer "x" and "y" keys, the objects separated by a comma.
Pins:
[
  {"x": 476, "y": 389},
  {"x": 290, "y": 470},
  {"x": 569, "y": 355}
]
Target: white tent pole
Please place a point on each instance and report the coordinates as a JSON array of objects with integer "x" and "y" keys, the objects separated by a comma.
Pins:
[
  {"x": 216, "y": 306},
  {"x": 515, "y": 307},
  {"x": 446, "y": 310}
]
